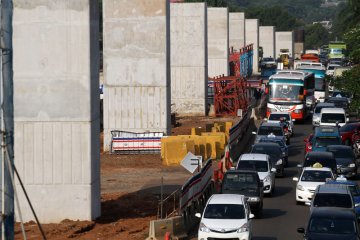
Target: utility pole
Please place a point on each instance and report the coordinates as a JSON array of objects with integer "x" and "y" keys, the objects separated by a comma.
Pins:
[{"x": 6, "y": 120}]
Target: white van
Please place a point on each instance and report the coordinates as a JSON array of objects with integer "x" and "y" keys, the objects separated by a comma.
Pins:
[
  {"x": 333, "y": 116},
  {"x": 261, "y": 164}
]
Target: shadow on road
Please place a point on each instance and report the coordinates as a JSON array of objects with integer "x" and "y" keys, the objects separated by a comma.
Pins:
[
  {"x": 264, "y": 238},
  {"x": 272, "y": 213},
  {"x": 280, "y": 191}
]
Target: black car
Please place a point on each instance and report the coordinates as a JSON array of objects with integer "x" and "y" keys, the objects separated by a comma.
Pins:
[
  {"x": 246, "y": 183},
  {"x": 345, "y": 159},
  {"x": 330, "y": 223},
  {"x": 277, "y": 158},
  {"x": 339, "y": 102},
  {"x": 326, "y": 159}
]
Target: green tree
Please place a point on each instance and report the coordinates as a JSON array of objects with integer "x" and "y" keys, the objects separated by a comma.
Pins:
[{"x": 316, "y": 36}]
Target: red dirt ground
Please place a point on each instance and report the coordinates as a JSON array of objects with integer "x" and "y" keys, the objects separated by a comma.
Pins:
[{"x": 124, "y": 215}]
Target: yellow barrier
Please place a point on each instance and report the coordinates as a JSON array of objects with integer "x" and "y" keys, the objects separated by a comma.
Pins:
[
  {"x": 174, "y": 149},
  {"x": 217, "y": 141}
]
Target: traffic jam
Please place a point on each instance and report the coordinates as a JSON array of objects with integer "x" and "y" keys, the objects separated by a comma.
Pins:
[{"x": 325, "y": 183}]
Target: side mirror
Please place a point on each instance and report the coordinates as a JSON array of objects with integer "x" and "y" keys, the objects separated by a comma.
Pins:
[
  {"x": 295, "y": 179},
  {"x": 251, "y": 216},
  {"x": 308, "y": 203},
  {"x": 299, "y": 165},
  {"x": 273, "y": 170},
  {"x": 301, "y": 230},
  {"x": 253, "y": 133},
  {"x": 198, "y": 215}
]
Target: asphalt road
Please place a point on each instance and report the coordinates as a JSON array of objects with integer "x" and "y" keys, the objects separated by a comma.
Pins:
[{"x": 281, "y": 216}]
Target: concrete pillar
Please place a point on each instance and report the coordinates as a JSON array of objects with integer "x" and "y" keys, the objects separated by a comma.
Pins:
[
  {"x": 267, "y": 40},
  {"x": 237, "y": 30},
  {"x": 56, "y": 98},
  {"x": 218, "y": 41},
  {"x": 284, "y": 40},
  {"x": 136, "y": 50},
  {"x": 252, "y": 37},
  {"x": 189, "y": 75}
]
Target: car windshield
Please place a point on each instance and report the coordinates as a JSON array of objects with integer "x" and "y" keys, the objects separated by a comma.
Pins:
[
  {"x": 267, "y": 130},
  {"x": 332, "y": 200},
  {"x": 348, "y": 127},
  {"x": 332, "y": 225},
  {"x": 240, "y": 180},
  {"x": 224, "y": 211},
  {"x": 333, "y": 118},
  {"x": 315, "y": 176},
  {"x": 259, "y": 166},
  {"x": 341, "y": 152},
  {"x": 326, "y": 141},
  {"x": 276, "y": 117}
]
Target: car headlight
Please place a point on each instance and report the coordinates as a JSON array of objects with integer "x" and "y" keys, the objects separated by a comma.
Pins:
[
  {"x": 203, "y": 228},
  {"x": 243, "y": 228},
  {"x": 267, "y": 178},
  {"x": 253, "y": 199},
  {"x": 352, "y": 165},
  {"x": 279, "y": 162},
  {"x": 300, "y": 187}
]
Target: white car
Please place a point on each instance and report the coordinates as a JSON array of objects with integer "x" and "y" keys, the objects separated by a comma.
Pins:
[
  {"x": 317, "y": 110},
  {"x": 330, "y": 70},
  {"x": 261, "y": 164},
  {"x": 274, "y": 117},
  {"x": 310, "y": 178},
  {"x": 226, "y": 216}
]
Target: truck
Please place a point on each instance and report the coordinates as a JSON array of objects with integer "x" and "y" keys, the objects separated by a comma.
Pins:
[{"x": 337, "y": 50}]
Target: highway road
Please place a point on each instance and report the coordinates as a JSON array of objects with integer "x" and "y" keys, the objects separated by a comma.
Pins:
[{"x": 281, "y": 216}]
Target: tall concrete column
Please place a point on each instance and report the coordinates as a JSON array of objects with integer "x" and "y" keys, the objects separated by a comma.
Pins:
[
  {"x": 284, "y": 40},
  {"x": 218, "y": 41},
  {"x": 237, "y": 30},
  {"x": 189, "y": 75},
  {"x": 56, "y": 102},
  {"x": 267, "y": 40},
  {"x": 136, "y": 50},
  {"x": 252, "y": 37}
]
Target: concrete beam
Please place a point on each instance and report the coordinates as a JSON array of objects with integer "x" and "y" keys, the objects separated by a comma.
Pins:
[
  {"x": 218, "y": 41},
  {"x": 284, "y": 40},
  {"x": 136, "y": 50},
  {"x": 237, "y": 30},
  {"x": 189, "y": 75},
  {"x": 267, "y": 40},
  {"x": 252, "y": 37},
  {"x": 56, "y": 98}
]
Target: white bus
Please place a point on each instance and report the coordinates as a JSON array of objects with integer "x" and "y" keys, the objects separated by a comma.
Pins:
[{"x": 291, "y": 91}]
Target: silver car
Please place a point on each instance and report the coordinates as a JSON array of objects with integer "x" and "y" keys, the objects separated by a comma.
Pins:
[{"x": 317, "y": 110}]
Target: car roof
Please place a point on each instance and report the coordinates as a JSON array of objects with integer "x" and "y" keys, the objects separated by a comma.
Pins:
[
  {"x": 332, "y": 110},
  {"x": 343, "y": 147},
  {"x": 270, "y": 124},
  {"x": 254, "y": 156},
  {"x": 325, "y": 104},
  {"x": 333, "y": 212},
  {"x": 265, "y": 144},
  {"x": 226, "y": 199},
  {"x": 325, "y": 169},
  {"x": 319, "y": 154},
  {"x": 327, "y": 131},
  {"x": 333, "y": 188}
]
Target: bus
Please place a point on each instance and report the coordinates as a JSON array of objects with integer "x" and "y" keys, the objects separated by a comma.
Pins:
[
  {"x": 291, "y": 91},
  {"x": 321, "y": 91}
]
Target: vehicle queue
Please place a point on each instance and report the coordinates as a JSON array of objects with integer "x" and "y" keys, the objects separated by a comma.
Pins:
[{"x": 330, "y": 162}]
